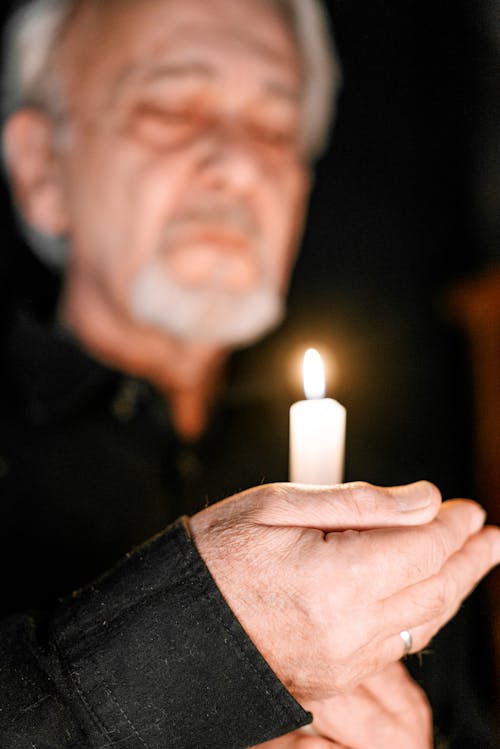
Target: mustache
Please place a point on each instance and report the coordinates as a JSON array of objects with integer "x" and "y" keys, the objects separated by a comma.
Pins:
[{"x": 234, "y": 217}]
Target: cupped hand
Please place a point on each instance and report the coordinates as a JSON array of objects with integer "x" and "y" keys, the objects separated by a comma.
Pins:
[
  {"x": 323, "y": 579},
  {"x": 386, "y": 711}
]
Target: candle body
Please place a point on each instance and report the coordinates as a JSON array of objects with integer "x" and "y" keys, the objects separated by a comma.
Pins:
[{"x": 317, "y": 440}]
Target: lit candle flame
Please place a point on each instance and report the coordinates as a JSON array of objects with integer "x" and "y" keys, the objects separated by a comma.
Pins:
[{"x": 314, "y": 375}]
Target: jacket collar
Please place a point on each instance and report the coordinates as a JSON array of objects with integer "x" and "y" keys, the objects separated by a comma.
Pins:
[
  {"x": 54, "y": 378},
  {"x": 50, "y": 372}
]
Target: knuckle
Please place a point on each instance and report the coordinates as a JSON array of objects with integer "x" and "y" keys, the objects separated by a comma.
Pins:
[
  {"x": 433, "y": 553},
  {"x": 445, "y": 543},
  {"x": 361, "y": 498},
  {"x": 440, "y": 595},
  {"x": 360, "y": 491},
  {"x": 268, "y": 502},
  {"x": 431, "y": 601}
]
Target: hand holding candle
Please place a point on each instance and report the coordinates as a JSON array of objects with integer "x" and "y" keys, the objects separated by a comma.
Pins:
[{"x": 317, "y": 430}]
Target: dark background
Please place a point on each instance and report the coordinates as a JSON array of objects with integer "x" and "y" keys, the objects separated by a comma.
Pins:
[
  {"x": 405, "y": 205},
  {"x": 398, "y": 217}
]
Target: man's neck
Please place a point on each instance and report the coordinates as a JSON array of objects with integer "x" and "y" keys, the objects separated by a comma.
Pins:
[{"x": 189, "y": 375}]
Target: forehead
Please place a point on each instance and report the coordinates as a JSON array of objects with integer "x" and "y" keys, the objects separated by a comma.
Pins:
[{"x": 122, "y": 40}]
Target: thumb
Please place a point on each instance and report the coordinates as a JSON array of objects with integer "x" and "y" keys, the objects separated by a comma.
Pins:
[{"x": 356, "y": 506}]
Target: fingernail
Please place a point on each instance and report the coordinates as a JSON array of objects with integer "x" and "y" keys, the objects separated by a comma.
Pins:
[{"x": 415, "y": 496}]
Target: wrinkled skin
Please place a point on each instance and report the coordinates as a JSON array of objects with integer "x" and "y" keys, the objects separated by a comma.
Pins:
[
  {"x": 386, "y": 710},
  {"x": 323, "y": 579}
]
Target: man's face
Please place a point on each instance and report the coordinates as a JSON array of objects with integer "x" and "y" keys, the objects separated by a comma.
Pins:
[{"x": 184, "y": 187}]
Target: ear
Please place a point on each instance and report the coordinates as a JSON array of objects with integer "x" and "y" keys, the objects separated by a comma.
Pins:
[{"x": 34, "y": 167}]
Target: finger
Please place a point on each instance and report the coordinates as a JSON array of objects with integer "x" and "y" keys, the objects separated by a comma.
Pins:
[
  {"x": 394, "y": 689},
  {"x": 425, "y": 607},
  {"x": 355, "y": 506},
  {"x": 350, "y": 717},
  {"x": 375, "y": 715},
  {"x": 400, "y": 557}
]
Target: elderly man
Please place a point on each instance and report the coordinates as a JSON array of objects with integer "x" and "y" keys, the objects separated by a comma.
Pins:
[{"x": 167, "y": 145}]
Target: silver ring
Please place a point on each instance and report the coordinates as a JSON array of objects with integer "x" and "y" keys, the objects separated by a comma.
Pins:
[{"x": 407, "y": 641}]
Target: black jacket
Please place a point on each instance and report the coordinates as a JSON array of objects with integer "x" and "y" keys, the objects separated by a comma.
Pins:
[
  {"x": 90, "y": 468},
  {"x": 150, "y": 655}
]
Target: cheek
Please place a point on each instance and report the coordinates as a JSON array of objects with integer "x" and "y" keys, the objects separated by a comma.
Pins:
[
  {"x": 119, "y": 202},
  {"x": 285, "y": 210}
]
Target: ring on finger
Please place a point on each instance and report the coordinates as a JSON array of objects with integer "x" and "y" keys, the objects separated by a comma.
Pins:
[{"x": 407, "y": 638}]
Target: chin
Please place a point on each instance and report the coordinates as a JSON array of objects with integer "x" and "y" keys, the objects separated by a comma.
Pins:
[{"x": 204, "y": 316}]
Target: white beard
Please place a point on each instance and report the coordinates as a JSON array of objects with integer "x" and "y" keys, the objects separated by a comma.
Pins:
[{"x": 209, "y": 315}]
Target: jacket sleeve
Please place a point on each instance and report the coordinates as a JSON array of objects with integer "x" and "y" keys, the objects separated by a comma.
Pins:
[{"x": 149, "y": 656}]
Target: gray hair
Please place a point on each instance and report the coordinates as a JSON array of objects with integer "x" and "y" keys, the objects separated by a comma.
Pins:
[{"x": 30, "y": 78}]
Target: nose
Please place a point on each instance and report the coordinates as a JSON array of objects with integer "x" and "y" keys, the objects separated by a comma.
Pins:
[{"x": 230, "y": 161}]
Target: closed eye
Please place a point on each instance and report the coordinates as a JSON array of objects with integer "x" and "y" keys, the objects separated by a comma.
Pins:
[
  {"x": 273, "y": 136},
  {"x": 162, "y": 126}
]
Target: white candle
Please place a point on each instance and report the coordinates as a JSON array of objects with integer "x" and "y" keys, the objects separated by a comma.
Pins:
[{"x": 317, "y": 430}]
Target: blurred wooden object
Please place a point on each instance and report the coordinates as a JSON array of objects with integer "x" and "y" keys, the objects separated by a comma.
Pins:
[{"x": 475, "y": 304}]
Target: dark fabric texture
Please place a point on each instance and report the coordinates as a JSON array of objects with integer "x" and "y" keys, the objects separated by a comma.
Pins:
[
  {"x": 90, "y": 468},
  {"x": 150, "y": 655},
  {"x": 90, "y": 465}
]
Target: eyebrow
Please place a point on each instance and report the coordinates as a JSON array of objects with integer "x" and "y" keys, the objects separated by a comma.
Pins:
[
  {"x": 171, "y": 70},
  {"x": 179, "y": 71},
  {"x": 193, "y": 69}
]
